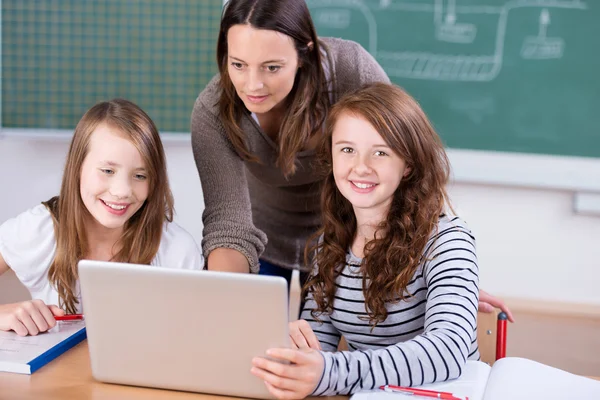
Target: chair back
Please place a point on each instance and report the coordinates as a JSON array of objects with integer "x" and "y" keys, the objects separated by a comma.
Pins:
[{"x": 487, "y": 331}]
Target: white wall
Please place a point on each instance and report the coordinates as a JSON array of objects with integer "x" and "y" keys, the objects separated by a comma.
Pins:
[{"x": 530, "y": 242}]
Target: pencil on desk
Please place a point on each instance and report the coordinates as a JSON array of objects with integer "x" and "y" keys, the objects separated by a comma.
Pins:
[{"x": 68, "y": 317}]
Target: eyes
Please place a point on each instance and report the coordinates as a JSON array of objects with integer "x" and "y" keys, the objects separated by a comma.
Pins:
[
  {"x": 108, "y": 171},
  {"x": 350, "y": 150},
  {"x": 270, "y": 68}
]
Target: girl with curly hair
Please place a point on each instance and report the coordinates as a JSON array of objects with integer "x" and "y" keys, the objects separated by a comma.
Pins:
[{"x": 394, "y": 272}]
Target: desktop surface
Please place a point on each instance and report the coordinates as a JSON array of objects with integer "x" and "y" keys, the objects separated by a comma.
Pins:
[{"x": 70, "y": 377}]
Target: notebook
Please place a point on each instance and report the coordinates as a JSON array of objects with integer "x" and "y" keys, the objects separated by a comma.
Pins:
[
  {"x": 27, "y": 354},
  {"x": 510, "y": 378},
  {"x": 179, "y": 329}
]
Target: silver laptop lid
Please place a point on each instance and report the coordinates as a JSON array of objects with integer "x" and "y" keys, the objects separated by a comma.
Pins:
[{"x": 179, "y": 329}]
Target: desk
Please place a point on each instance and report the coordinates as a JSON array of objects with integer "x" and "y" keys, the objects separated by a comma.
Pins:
[{"x": 70, "y": 377}]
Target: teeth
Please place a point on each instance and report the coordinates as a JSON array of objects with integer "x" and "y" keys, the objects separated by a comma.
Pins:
[
  {"x": 115, "y": 207},
  {"x": 363, "y": 185}
]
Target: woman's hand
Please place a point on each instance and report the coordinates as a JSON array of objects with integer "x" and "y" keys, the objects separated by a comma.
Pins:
[
  {"x": 302, "y": 336},
  {"x": 28, "y": 317},
  {"x": 295, "y": 380},
  {"x": 487, "y": 303}
]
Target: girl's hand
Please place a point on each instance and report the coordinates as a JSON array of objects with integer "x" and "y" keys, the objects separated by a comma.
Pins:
[
  {"x": 487, "y": 303},
  {"x": 28, "y": 317},
  {"x": 303, "y": 336},
  {"x": 295, "y": 380}
]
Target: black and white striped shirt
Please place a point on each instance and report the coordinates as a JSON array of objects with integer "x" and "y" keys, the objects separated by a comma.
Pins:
[{"x": 425, "y": 338}]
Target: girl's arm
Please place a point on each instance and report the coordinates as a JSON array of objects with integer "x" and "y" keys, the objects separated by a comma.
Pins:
[
  {"x": 3, "y": 265},
  {"x": 227, "y": 216},
  {"x": 26, "y": 247},
  {"x": 27, "y": 317},
  {"x": 440, "y": 352}
]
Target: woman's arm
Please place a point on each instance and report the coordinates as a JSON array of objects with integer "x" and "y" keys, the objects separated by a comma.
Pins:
[
  {"x": 227, "y": 260},
  {"x": 227, "y": 216}
]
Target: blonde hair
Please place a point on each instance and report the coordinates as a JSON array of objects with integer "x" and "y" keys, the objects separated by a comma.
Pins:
[{"x": 142, "y": 232}]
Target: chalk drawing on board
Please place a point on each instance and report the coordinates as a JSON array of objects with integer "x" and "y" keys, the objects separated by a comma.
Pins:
[
  {"x": 542, "y": 47},
  {"x": 333, "y": 14},
  {"x": 446, "y": 17},
  {"x": 447, "y": 29}
]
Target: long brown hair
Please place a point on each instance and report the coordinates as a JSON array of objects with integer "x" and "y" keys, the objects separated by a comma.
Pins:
[
  {"x": 391, "y": 258},
  {"x": 308, "y": 101},
  {"x": 142, "y": 233}
]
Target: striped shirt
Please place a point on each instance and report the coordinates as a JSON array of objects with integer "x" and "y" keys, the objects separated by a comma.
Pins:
[{"x": 425, "y": 338}]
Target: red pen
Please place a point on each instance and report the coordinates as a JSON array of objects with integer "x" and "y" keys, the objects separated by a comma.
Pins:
[
  {"x": 68, "y": 317},
  {"x": 420, "y": 392}
]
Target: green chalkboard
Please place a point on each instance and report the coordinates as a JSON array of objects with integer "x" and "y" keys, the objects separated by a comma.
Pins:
[
  {"x": 60, "y": 57},
  {"x": 518, "y": 75}
]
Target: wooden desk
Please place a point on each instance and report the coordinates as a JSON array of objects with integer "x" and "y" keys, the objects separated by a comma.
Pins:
[{"x": 70, "y": 377}]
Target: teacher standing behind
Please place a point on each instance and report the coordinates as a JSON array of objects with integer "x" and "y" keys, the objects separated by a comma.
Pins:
[{"x": 255, "y": 128}]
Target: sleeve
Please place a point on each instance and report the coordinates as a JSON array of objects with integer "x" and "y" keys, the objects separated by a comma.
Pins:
[
  {"x": 369, "y": 69},
  {"x": 178, "y": 249},
  {"x": 28, "y": 245},
  {"x": 227, "y": 215},
  {"x": 440, "y": 352}
]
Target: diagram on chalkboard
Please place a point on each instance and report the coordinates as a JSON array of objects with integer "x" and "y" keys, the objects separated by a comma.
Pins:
[{"x": 453, "y": 42}]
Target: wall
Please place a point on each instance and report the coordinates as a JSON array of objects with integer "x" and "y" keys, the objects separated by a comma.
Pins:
[{"x": 530, "y": 243}]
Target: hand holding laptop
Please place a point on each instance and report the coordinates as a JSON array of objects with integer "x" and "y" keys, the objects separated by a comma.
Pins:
[{"x": 289, "y": 373}]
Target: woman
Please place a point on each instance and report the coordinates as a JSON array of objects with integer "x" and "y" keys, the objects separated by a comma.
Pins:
[{"x": 254, "y": 131}]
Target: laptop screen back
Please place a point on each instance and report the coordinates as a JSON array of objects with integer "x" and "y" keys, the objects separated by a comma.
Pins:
[{"x": 179, "y": 329}]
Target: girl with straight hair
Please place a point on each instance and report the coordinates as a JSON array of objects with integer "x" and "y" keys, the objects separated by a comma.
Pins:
[
  {"x": 115, "y": 204},
  {"x": 395, "y": 272}
]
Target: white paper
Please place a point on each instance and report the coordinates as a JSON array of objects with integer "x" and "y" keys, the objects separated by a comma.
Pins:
[
  {"x": 521, "y": 379},
  {"x": 471, "y": 384}
]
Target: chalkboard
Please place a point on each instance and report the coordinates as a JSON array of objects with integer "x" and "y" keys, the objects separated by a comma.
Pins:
[
  {"x": 517, "y": 76},
  {"x": 60, "y": 57}
]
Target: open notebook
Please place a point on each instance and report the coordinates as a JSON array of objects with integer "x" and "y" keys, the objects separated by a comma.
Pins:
[
  {"x": 510, "y": 378},
  {"x": 27, "y": 354}
]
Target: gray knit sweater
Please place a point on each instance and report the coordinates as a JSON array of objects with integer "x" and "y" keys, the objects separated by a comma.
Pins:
[
  {"x": 246, "y": 203},
  {"x": 425, "y": 338}
]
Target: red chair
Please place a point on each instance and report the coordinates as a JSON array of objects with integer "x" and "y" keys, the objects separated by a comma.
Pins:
[{"x": 491, "y": 336}]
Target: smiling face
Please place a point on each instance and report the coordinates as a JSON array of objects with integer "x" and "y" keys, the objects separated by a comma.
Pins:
[
  {"x": 262, "y": 66},
  {"x": 114, "y": 182},
  {"x": 366, "y": 170}
]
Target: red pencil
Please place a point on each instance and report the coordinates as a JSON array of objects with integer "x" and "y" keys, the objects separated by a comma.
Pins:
[
  {"x": 68, "y": 317},
  {"x": 420, "y": 392}
]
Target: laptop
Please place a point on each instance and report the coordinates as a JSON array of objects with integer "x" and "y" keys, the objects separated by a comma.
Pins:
[{"x": 179, "y": 329}]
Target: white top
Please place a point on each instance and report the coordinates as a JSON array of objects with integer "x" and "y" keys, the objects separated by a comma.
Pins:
[{"x": 28, "y": 245}]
